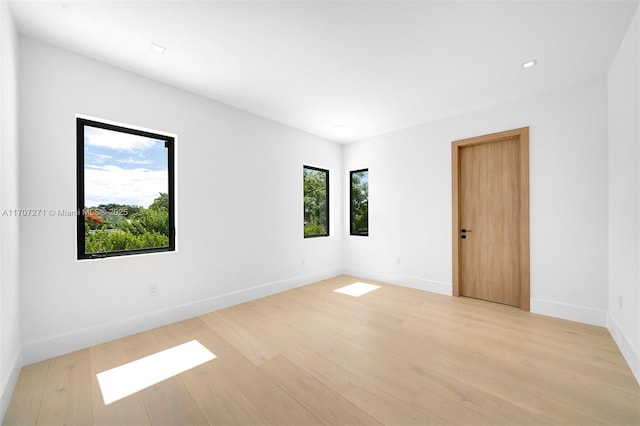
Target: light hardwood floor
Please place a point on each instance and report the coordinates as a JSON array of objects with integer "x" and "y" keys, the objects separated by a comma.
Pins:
[{"x": 395, "y": 356}]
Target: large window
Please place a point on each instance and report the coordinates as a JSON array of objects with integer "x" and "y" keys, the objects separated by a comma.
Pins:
[
  {"x": 125, "y": 190},
  {"x": 316, "y": 201},
  {"x": 359, "y": 196}
]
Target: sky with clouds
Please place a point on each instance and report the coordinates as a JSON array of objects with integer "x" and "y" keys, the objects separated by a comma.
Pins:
[{"x": 123, "y": 168}]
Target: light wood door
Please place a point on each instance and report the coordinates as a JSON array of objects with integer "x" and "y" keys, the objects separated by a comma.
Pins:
[{"x": 491, "y": 228}]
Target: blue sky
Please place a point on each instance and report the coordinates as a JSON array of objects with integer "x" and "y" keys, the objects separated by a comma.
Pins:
[
  {"x": 123, "y": 168},
  {"x": 364, "y": 176}
]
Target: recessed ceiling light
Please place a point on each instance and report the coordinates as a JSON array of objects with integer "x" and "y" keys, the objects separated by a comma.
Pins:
[
  {"x": 339, "y": 126},
  {"x": 157, "y": 48},
  {"x": 529, "y": 64}
]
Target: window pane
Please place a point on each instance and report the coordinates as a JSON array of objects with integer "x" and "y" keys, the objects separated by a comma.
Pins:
[
  {"x": 359, "y": 213},
  {"x": 125, "y": 191},
  {"x": 316, "y": 202}
]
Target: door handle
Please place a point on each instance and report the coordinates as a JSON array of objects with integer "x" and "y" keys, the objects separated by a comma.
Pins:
[{"x": 465, "y": 230}]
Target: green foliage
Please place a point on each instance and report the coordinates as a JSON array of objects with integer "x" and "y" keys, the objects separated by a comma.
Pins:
[
  {"x": 360, "y": 203},
  {"x": 144, "y": 228},
  {"x": 160, "y": 203},
  {"x": 124, "y": 209},
  {"x": 147, "y": 220},
  {"x": 115, "y": 240},
  {"x": 315, "y": 202},
  {"x": 314, "y": 229}
]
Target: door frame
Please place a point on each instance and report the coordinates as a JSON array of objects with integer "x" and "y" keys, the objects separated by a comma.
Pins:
[{"x": 523, "y": 140}]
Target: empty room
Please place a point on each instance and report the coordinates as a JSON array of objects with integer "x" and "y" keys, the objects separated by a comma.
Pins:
[{"x": 319, "y": 212}]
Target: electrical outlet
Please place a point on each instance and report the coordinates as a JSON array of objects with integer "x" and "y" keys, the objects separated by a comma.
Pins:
[
  {"x": 620, "y": 301},
  {"x": 398, "y": 260},
  {"x": 153, "y": 290},
  {"x": 304, "y": 261}
]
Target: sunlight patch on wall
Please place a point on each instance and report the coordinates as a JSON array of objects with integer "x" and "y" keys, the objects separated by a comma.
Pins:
[
  {"x": 357, "y": 289},
  {"x": 127, "y": 379}
]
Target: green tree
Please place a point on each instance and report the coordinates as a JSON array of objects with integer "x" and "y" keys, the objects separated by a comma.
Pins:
[
  {"x": 148, "y": 220},
  {"x": 315, "y": 202},
  {"x": 145, "y": 228},
  {"x": 160, "y": 203},
  {"x": 115, "y": 207},
  {"x": 360, "y": 202},
  {"x": 115, "y": 240}
]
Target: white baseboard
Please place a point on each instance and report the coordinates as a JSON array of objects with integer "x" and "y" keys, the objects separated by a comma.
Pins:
[
  {"x": 58, "y": 345},
  {"x": 539, "y": 306},
  {"x": 630, "y": 353},
  {"x": 569, "y": 312},
  {"x": 411, "y": 282},
  {"x": 7, "y": 388}
]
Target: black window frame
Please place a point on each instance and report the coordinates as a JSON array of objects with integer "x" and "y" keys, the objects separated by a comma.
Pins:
[
  {"x": 351, "y": 230},
  {"x": 328, "y": 229},
  {"x": 80, "y": 198}
]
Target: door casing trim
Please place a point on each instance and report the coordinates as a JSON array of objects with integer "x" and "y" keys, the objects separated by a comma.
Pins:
[{"x": 523, "y": 140}]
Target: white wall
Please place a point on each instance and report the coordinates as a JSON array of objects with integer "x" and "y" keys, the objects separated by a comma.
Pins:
[
  {"x": 10, "y": 345},
  {"x": 624, "y": 197},
  {"x": 239, "y": 205},
  {"x": 228, "y": 253},
  {"x": 410, "y": 199}
]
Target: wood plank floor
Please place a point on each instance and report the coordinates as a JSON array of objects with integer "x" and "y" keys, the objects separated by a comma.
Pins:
[{"x": 395, "y": 356}]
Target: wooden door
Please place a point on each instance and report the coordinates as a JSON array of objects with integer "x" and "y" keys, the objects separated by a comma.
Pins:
[{"x": 491, "y": 218}]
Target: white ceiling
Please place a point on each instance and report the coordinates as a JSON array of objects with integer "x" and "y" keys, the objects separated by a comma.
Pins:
[{"x": 371, "y": 66}]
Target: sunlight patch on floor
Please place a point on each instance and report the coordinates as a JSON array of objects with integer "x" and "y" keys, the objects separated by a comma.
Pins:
[
  {"x": 357, "y": 289},
  {"x": 127, "y": 379}
]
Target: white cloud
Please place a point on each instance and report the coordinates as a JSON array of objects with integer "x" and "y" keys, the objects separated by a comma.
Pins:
[
  {"x": 133, "y": 161},
  {"x": 100, "y": 158},
  {"x": 113, "y": 184},
  {"x": 96, "y": 136}
]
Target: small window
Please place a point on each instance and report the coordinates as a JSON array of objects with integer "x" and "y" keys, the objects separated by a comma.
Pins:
[
  {"x": 359, "y": 196},
  {"x": 125, "y": 190},
  {"x": 316, "y": 202}
]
